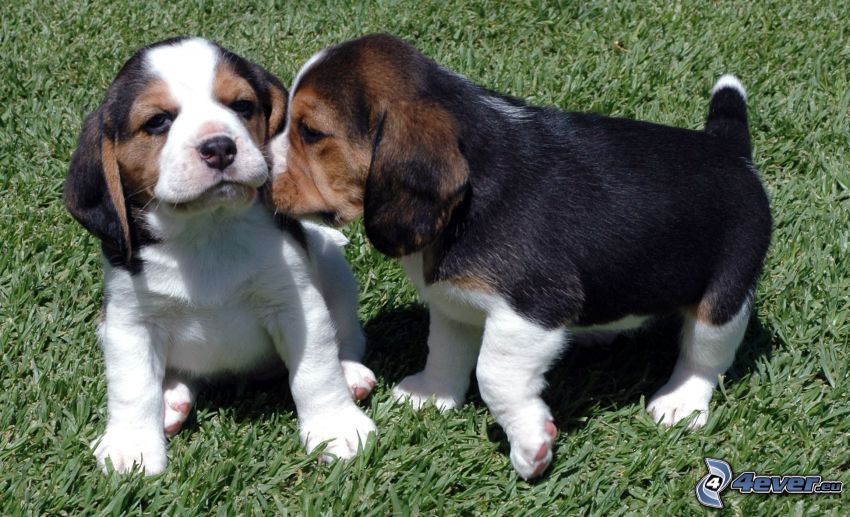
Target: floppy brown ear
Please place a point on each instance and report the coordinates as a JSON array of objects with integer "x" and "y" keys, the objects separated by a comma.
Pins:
[
  {"x": 93, "y": 192},
  {"x": 417, "y": 177},
  {"x": 275, "y": 108}
]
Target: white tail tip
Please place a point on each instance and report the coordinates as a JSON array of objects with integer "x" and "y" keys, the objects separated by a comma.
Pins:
[{"x": 729, "y": 81}]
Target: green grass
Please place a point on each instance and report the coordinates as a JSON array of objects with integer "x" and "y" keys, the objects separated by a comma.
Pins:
[{"x": 784, "y": 408}]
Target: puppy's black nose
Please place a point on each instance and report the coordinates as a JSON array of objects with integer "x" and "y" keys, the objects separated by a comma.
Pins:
[{"x": 218, "y": 152}]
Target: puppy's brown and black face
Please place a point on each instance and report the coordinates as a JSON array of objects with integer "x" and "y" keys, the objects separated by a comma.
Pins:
[
  {"x": 182, "y": 127},
  {"x": 364, "y": 135}
]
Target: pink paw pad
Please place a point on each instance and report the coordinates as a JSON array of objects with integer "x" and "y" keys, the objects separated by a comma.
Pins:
[
  {"x": 360, "y": 392},
  {"x": 182, "y": 408},
  {"x": 539, "y": 469},
  {"x": 543, "y": 451}
]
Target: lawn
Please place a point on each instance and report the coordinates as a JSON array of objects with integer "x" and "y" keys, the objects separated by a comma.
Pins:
[{"x": 784, "y": 408}]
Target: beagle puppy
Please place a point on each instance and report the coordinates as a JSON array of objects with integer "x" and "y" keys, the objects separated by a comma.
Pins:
[
  {"x": 200, "y": 278},
  {"x": 525, "y": 226}
]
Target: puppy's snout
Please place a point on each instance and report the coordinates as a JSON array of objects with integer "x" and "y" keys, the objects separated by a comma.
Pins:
[{"x": 218, "y": 152}]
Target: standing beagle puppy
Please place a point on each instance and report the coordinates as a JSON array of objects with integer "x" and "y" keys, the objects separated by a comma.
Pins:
[
  {"x": 200, "y": 279},
  {"x": 522, "y": 226}
]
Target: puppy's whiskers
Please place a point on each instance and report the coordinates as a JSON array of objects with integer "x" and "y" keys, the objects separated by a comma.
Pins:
[
  {"x": 142, "y": 189},
  {"x": 151, "y": 200}
]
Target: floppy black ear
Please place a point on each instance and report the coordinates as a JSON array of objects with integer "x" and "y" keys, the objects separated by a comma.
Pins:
[
  {"x": 277, "y": 103},
  {"x": 93, "y": 192},
  {"x": 417, "y": 177}
]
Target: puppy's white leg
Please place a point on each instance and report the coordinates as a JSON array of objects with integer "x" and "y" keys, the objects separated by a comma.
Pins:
[
  {"x": 135, "y": 366},
  {"x": 452, "y": 351},
  {"x": 305, "y": 338},
  {"x": 515, "y": 355},
  {"x": 706, "y": 352},
  {"x": 178, "y": 398},
  {"x": 342, "y": 305},
  {"x": 339, "y": 289}
]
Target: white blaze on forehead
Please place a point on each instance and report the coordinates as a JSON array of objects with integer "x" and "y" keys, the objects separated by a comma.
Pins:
[
  {"x": 187, "y": 67},
  {"x": 280, "y": 144},
  {"x": 314, "y": 59}
]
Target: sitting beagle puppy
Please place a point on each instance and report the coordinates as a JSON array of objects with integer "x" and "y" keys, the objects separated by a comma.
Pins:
[
  {"x": 523, "y": 226},
  {"x": 200, "y": 278}
]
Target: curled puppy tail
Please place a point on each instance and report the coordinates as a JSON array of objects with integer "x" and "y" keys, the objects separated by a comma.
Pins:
[{"x": 727, "y": 114}]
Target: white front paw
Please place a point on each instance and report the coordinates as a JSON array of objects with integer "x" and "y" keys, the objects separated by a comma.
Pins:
[
  {"x": 126, "y": 447},
  {"x": 344, "y": 431},
  {"x": 417, "y": 390},
  {"x": 178, "y": 400},
  {"x": 532, "y": 437},
  {"x": 359, "y": 378},
  {"x": 675, "y": 402}
]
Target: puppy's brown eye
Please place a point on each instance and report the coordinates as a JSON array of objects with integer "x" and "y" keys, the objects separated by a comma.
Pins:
[
  {"x": 158, "y": 124},
  {"x": 308, "y": 134},
  {"x": 243, "y": 108}
]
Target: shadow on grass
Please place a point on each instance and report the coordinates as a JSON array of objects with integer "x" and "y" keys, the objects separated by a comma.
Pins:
[
  {"x": 247, "y": 398},
  {"x": 397, "y": 342},
  {"x": 396, "y": 347},
  {"x": 584, "y": 381}
]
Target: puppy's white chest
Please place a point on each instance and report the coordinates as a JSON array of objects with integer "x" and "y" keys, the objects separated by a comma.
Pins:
[
  {"x": 458, "y": 304},
  {"x": 211, "y": 262},
  {"x": 208, "y": 277},
  {"x": 217, "y": 339},
  {"x": 199, "y": 295},
  {"x": 204, "y": 320}
]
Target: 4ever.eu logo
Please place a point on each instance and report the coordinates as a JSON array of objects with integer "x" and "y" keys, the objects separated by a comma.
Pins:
[{"x": 720, "y": 477}]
